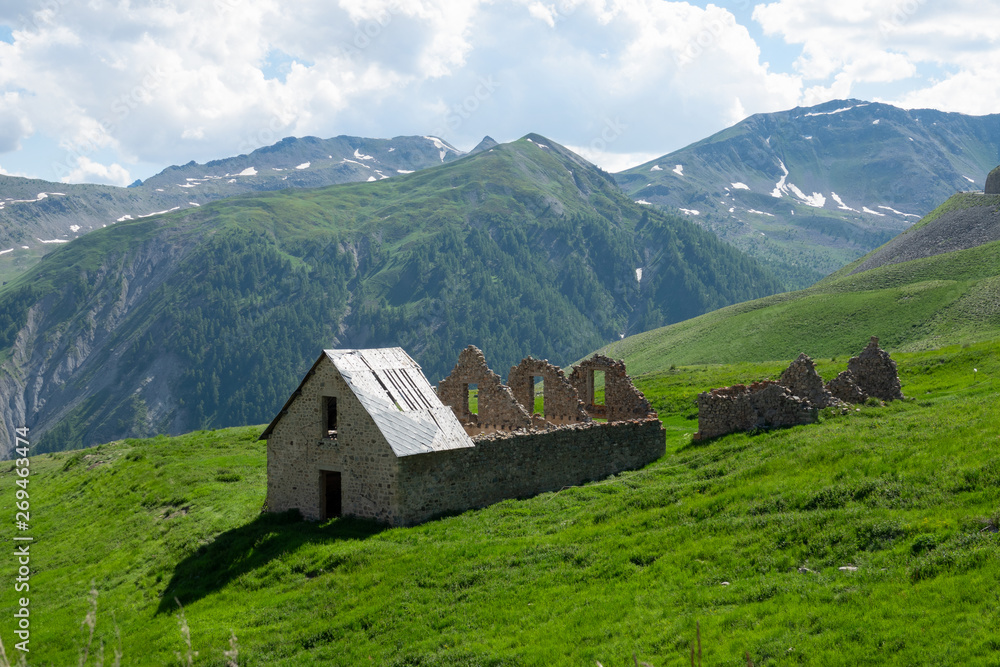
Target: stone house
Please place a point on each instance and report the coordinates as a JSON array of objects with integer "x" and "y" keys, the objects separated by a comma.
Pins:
[{"x": 366, "y": 435}]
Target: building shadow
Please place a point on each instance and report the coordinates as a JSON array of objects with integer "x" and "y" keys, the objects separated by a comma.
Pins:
[{"x": 251, "y": 546}]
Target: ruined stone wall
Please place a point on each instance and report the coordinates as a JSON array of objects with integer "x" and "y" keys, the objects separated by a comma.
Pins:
[
  {"x": 803, "y": 381},
  {"x": 498, "y": 409},
  {"x": 742, "y": 408},
  {"x": 845, "y": 388},
  {"x": 523, "y": 464},
  {"x": 561, "y": 401},
  {"x": 875, "y": 372},
  {"x": 622, "y": 400},
  {"x": 298, "y": 452}
]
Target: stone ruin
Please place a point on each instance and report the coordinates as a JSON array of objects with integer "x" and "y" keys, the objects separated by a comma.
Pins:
[
  {"x": 510, "y": 407},
  {"x": 498, "y": 409},
  {"x": 622, "y": 400},
  {"x": 798, "y": 394},
  {"x": 803, "y": 381},
  {"x": 762, "y": 405},
  {"x": 561, "y": 403},
  {"x": 875, "y": 373},
  {"x": 845, "y": 387}
]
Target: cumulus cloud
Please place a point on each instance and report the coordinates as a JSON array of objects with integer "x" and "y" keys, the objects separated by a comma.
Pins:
[
  {"x": 89, "y": 171},
  {"x": 853, "y": 42},
  {"x": 161, "y": 83}
]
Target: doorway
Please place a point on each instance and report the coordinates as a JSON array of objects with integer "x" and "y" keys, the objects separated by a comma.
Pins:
[{"x": 331, "y": 492}]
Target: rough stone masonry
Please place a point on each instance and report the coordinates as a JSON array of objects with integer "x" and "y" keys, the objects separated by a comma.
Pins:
[{"x": 798, "y": 395}]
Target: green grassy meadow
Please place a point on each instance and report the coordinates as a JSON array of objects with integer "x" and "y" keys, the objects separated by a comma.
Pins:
[{"x": 745, "y": 534}]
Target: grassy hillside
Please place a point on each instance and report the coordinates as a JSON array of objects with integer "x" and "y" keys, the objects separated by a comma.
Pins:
[
  {"x": 921, "y": 304},
  {"x": 209, "y": 318},
  {"x": 745, "y": 534}
]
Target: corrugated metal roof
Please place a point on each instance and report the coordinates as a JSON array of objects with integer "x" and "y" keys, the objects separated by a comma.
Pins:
[{"x": 394, "y": 391}]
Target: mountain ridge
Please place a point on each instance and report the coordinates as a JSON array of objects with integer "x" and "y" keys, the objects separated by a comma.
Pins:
[
  {"x": 812, "y": 188},
  {"x": 208, "y": 317}
]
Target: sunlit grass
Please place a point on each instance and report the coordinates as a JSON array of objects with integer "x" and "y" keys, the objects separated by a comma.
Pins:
[{"x": 746, "y": 534}]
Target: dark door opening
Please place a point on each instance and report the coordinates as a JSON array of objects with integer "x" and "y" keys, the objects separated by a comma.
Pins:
[{"x": 331, "y": 494}]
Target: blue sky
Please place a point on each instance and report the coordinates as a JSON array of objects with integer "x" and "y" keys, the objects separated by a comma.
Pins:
[{"x": 113, "y": 90}]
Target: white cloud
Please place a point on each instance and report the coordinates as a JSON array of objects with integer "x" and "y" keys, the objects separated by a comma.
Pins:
[
  {"x": 853, "y": 42},
  {"x": 155, "y": 83},
  {"x": 88, "y": 171}
]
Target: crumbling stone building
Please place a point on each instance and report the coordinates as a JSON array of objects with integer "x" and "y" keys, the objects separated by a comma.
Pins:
[
  {"x": 797, "y": 396},
  {"x": 366, "y": 435}
]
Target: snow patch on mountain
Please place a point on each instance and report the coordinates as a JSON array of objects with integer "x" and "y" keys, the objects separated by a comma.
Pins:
[
  {"x": 690, "y": 211},
  {"x": 740, "y": 186},
  {"x": 249, "y": 171},
  {"x": 361, "y": 156},
  {"x": 438, "y": 144},
  {"x": 305, "y": 165},
  {"x": 868, "y": 210},
  {"x": 779, "y": 187},
  {"x": 643, "y": 202},
  {"x": 840, "y": 203},
  {"x": 656, "y": 167},
  {"x": 679, "y": 170},
  {"x": 908, "y": 215},
  {"x": 835, "y": 111}
]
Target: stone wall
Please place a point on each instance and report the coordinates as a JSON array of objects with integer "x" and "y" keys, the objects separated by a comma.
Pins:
[
  {"x": 498, "y": 409},
  {"x": 803, "y": 381},
  {"x": 622, "y": 400},
  {"x": 523, "y": 464},
  {"x": 298, "y": 452},
  {"x": 846, "y": 388},
  {"x": 875, "y": 372},
  {"x": 743, "y": 408},
  {"x": 562, "y": 404}
]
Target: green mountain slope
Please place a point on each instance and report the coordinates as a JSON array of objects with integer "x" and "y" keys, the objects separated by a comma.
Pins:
[
  {"x": 811, "y": 189},
  {"x": 949, "y": 297},
  {"x": 209, "y": 317},
  {"x": 36, "y": 216},
  {"x": 749, "y": 536}
]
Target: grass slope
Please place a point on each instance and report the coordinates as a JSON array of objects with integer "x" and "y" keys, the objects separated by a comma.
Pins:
[
  {"x": 910, "y": 306},
  {"x": 716, "y": 532}
]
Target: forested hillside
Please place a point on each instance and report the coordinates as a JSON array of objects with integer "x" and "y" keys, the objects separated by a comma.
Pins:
[{"x": 208, "y": 318}]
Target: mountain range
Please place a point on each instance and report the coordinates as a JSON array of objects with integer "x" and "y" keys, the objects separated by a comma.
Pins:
[
  {"x": 208, "y": 316},
  {"x": 810, "y": 189},
  {"x": 36, "y": 216}
]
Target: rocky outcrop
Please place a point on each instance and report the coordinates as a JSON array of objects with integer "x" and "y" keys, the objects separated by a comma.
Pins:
[
  {"x": 803, "y": 381},
  {"x": 761, "y": 405},
  {"x": 993, "y": 183},
  {"x": 875, "y": 372}
]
